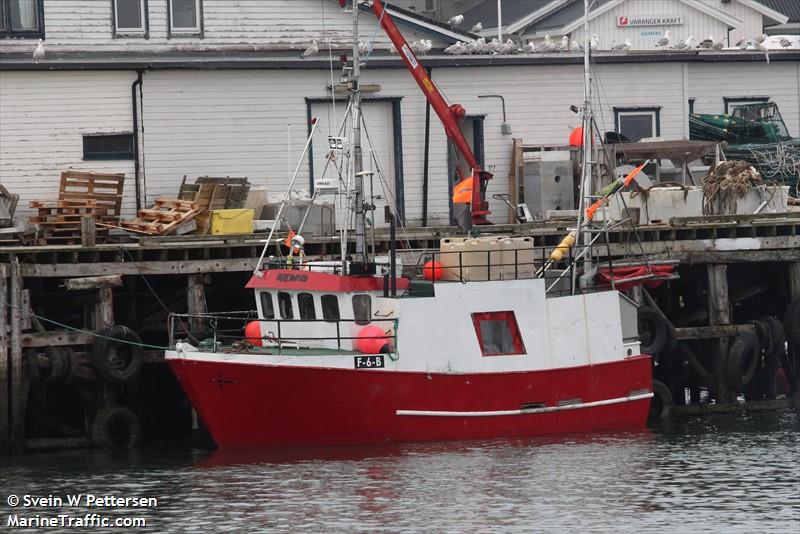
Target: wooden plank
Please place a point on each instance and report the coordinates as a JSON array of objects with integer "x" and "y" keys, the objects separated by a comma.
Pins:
[
  {"x": 93, "y": 282},
  {"x": 5, "y": 368},
  {"x": 794, "y": 281},
  {"x": 88, "y": 231},
  {"x": 734, "y": 407},
  {"x": 18, "y": 397},
  {"x": 104, "y": 309},
  {"x": 196, "y": 301},
  {"x": 719, "y": 313},
  {"x": 68, "y": 270},
  {"x": 56, "y": 338},
  {"x": 711, "y": 332}
]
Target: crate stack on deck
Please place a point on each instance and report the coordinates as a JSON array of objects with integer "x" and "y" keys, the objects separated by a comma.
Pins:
[{"x": 80, "y": 194}]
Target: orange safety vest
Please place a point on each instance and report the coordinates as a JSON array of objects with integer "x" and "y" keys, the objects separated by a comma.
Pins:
[{"x": 462, "y": 192}]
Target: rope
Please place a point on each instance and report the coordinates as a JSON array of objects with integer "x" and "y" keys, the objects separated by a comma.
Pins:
[{"x": 727, "y": 182}]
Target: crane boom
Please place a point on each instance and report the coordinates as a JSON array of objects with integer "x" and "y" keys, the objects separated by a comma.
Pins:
[{"x": 449, "y": 115}]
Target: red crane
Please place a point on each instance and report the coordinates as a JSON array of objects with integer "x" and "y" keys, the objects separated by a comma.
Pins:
[{"x": 474, "y": 186}]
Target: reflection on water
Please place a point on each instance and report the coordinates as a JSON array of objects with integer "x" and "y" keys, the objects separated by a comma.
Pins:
[{"x": 718, "y": 474}]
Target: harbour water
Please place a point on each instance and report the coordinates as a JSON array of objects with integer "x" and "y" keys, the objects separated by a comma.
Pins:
[{"x": 732, "y": 473}]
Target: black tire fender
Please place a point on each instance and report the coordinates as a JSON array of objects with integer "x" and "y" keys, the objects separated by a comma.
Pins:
[
  {"x": 742, "y": 361},
  {"x": 661, "y": 404},
  {"x": 117, "y": 355},
  {"x": 59, "y": 366},
  {"x": 116, "y": 427},
  {"x": 653, "y": 331},
  {"x": 791, "y": 323},
  {"x": 764, "y": 333}
]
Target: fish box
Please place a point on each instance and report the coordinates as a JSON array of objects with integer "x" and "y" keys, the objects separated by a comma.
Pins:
[{"x": 234, "y": 221}]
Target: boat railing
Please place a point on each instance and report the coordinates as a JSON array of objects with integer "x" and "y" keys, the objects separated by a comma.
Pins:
[{"x": 229, "y": 329}]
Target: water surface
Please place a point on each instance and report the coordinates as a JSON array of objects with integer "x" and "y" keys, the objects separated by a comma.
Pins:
[{"x": 719, "y": 474}]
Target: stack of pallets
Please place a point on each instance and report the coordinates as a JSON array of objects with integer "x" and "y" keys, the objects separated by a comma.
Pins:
[
  {"x": 164, "y": 217},
  {"x": 214, "y": 193},
  {"x": 80, "y": 194}
]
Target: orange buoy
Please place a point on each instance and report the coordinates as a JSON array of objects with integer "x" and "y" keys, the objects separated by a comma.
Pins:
[
  {"x": 372, "y": 340},
  {"x": 576, "y": 137},
  {"x": 432, "y": 270},
  {"x": 252, "y": 333}
]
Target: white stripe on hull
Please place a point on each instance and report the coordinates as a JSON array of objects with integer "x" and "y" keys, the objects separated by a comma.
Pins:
[{"x": 527, "y": 411}]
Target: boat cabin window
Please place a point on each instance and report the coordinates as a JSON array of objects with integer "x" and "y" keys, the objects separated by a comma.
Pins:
[
  {"x": 498, "y": 333},
  {"x": 285, "y": 305},
  {"x": 330, "y": 307},
  {"x": 305, "y": 305},
  {"x": 266, "y": 305},
  {"x": 362, "y": 308}
]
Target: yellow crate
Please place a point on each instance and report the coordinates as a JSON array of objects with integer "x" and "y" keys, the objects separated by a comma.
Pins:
[{"x": 239, "y": 221}]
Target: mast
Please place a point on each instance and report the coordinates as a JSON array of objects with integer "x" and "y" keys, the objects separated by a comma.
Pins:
[
  {"x": 358, "y": 164},
  {"x": 586, "y": 145}
]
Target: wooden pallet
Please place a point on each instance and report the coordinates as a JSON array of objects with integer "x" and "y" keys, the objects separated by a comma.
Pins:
[
  {"x": 59, "y": 221},
  {"x": 164, "y": 217},
  {"x": 105, "y": 190},
  {"x": 214, "y": 193}
]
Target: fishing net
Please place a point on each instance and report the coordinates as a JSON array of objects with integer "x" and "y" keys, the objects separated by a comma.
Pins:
[{"x": 727, "y": 182}]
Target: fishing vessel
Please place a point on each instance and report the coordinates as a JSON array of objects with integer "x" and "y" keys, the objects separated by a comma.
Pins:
[{"x": 488, "y": 337}]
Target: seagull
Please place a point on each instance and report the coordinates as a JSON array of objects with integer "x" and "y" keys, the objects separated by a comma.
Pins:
[
  {"x": 363, "y": 47},
  {"x": 456, "y": 20},
  {"x": 477, "y": 28},
  {"x": 39, "y": 52},
  {"x": 548, "y": 45},
  {"x": 706, "y": 43},
  {"x": 423, "y": 46},
  {"x": 664, "y": 41},
  {"x": 576, "y": 46},
  {"x": 529, "y": 48},
  {"x": 564, "y": 44},
  {"x": 717, "y": 45},
  {"x": 312, "y": 49},
  {"x": 594, "y": 42},
  {"x": 456, "y": 49},
  {"x": 622, "y": 47},
  {"x": 761, "y": 38},
  {"x": 785, "y": 43},
  {"x": 494, "y": 46},
  {"x": 763, "y": 49},
  {"x": 743, "y": 43},
  {"x": 683, "y": 44},
  {"x": 508, "y": 48}
]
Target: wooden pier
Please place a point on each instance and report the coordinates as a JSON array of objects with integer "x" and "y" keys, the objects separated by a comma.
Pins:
[{"x": 61, "y": 392}]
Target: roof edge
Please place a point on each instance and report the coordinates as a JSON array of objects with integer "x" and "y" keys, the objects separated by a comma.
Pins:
[{"x": 766, "y": 11}]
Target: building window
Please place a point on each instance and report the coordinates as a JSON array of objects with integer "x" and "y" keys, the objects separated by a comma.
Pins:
[
  {"x": 305, "y": 305},
  {"x": 330, "y": 307},
  {"x": 185, "y": 17},
  {"x": 285, "y": 305},
  {"x": 108, "y": 146},
  {"x": 498, "y": 333},
  {"x": 130, "y": 17},
  {"x": 638, "y": 123},
  {"x": 362, "y": 308},
  {"x": 731, "y": 102},
  {"x": 22, "y": 19},
  {"x": 267, "y": 308}
]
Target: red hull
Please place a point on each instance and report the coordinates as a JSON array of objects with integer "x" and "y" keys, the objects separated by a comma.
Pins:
[{"x": 259, "y": 405}]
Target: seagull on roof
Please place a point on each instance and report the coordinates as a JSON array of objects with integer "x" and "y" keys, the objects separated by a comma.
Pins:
[
  {"x": 456, "y": 20},
  {"x": 312, "y": 49},
  {"x": 548, "y": 45},
  {"x": 477, "y": 28},
  {"x": 594, "y": 42},
  {"x": 39, "y": 52},
  {"x": 457, "y": 49},
  {"x": 529, "y": 48},
  {"x": 706, "y": 43},
  {"x": 742, "y": 43},
  {"x": 683, "y": 44},
  {"x": 664, "y": 41},
  {"x": 564, "y": 44},
  {"x": 785, "y": 43},
  {"x": 622, "y": 47},
  {"x": 363, "y": 47},
  {"x": 576, "y": 46},
  {"x": 761, "y": 38},
  {"x": 718, "y": 45},
  {"x": 508, "y": 48}
]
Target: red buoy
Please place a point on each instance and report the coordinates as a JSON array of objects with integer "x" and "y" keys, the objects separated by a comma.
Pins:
[
  {"x": 576, "y": 137},
  {"x": 252, "y": 333},
  {"x": 432, "y": 270},
  {"x": 372, "y": 340}
]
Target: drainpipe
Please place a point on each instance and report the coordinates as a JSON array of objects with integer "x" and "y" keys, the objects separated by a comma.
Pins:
[{"x": 136, "y": 166}]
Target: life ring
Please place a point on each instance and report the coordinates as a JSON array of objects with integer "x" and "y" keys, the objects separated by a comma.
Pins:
[
  {"x": 661, "y": 404},
  {"x": 791, "y": 324},
  {"x": 116, "y": 427},
  {"x": 118, "y": 354},
  {"x": 653, "y": 331},
  {"x": 742, "y": 361}
]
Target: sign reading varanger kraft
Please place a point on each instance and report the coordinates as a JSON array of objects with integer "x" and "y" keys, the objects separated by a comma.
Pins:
[{"x": 663, "y": 20}]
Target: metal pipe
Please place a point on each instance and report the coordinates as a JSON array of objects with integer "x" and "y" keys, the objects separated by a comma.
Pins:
[{"x": 426, "y": 160}]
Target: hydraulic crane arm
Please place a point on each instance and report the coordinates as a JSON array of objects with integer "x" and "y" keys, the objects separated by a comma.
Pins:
[{"x": 450, "y": 115}]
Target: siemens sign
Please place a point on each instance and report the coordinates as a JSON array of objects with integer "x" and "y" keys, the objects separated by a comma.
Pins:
[{"x": 671, "y": 20}]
